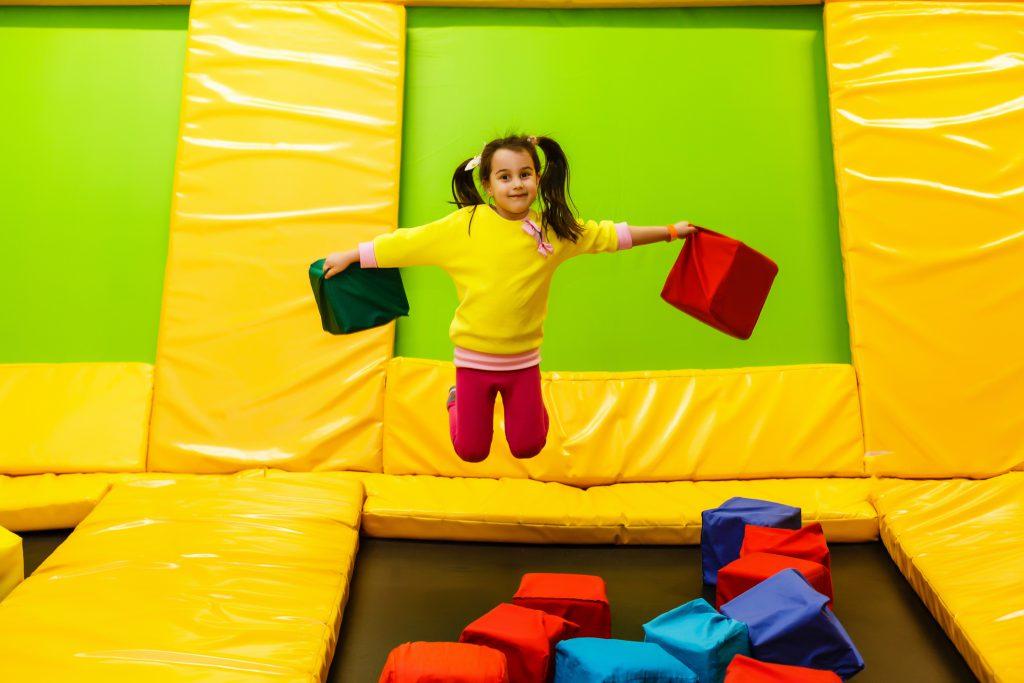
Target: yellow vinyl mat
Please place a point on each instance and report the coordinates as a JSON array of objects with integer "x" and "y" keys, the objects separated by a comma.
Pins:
[
  {"x": 207, "y": 579},
  {"x": 609, "y": 427},
  {"x": 961, "y": 545},
  {"x": 288, "y": 151},
  {"x": 926, "y": 125}
]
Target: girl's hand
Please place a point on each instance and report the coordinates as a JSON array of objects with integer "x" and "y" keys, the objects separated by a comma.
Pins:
[
  {"x": 685, "y": 229},
  {"x": 339, "y": 261}
]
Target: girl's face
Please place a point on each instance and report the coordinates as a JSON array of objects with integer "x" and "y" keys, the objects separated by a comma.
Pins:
[{"x": 512, "y": 183}]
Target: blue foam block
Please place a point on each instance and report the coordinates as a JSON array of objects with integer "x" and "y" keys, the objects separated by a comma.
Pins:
[
  {"x": 721, "y": 533},
  {"x": 790, "y": 623}
]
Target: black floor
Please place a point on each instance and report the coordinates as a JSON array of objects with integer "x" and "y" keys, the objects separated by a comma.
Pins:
[
  {"x": 411, "y": 590},
  {"x": 407, "y": 590}
]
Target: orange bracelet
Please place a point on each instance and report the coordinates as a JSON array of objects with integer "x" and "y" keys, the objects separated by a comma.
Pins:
[{"x": 673, "y": 234}]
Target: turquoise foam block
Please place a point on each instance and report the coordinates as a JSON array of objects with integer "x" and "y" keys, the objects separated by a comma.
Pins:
[
  {"x": 701, "y": 638},
  {"x": 605, "y": 660}
]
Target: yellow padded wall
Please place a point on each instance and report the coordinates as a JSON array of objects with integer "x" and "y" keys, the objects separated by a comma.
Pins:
[
  {"x": 795, "y": 421},
  {"x": 926, "y": 102},
  {"x": 74, "y": 417},
  {"x": 289, "y": 149}
]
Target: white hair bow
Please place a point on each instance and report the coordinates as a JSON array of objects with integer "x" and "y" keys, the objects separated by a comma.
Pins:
[{"x": 473, "y": 163}]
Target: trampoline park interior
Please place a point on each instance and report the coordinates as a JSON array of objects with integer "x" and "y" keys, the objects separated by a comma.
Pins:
[{"x": 217, "y": 489}]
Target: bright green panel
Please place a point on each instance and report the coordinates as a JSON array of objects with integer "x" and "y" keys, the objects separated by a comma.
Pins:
[
  {"x": 718, "y": 116},
  {"x": 89, "y": 123}
]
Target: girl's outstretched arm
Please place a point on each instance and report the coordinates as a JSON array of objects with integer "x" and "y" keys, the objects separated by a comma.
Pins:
[{"x": 649, "y": 234}]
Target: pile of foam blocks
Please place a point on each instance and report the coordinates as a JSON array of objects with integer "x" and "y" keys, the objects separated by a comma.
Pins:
[{"x": 772, "y": 620}]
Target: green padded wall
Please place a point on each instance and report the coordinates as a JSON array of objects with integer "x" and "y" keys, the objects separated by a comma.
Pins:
[
  {"x": 88, "y": 128},
  {"x": 714, "y": 115},
  {"x": 729, "y": 128}
]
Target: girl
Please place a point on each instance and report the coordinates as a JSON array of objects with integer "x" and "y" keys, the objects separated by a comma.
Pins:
[{"x": 502, "y": 255}]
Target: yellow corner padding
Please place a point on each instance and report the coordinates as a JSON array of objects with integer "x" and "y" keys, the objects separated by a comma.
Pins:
[
  {"x": 794, "y": 421},
  {"x": 525, "y": 511},
  {"x": 74, "y": 417},
  {"x": 289, "y": 150},
  {"x": 56, "y": 501},
  {"x": 12, "y": 562},
  {"x": 210, "y": 578},
  {"x": 926, "y": 122},
  {"x": 961, "y": 545}
]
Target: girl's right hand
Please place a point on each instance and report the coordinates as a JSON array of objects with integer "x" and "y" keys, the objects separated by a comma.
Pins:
[{"x": 339, "y": 261}]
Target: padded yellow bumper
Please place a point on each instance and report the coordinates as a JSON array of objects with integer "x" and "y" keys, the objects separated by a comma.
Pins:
[
  {"x": 793, "y": 421},
  {"x": 526, "y": 511},
  {"x": 12, "y": 562},
  {"x": 74, "y": 417},
  {"x": 926, "y": 105},
  {"x": 289, "y": 150},
  {"x": 961, "y": 545},
  {"x": 212, "y": 579}
]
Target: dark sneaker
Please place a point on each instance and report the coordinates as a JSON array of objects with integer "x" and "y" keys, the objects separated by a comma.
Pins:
[{"x": 451, "y": 398}]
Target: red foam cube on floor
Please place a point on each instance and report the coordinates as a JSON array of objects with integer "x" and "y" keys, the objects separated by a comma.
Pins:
[
  {"x": 807, "y": 543},
  {"x": 743, "y": 574},
  {"x": 579, "y": 598},
  {"x": 444, "y": 663},
  {"x": 526, "y": 636},
  {"x": 721, "y": 282},
  {"x": 746, "y": 670}
]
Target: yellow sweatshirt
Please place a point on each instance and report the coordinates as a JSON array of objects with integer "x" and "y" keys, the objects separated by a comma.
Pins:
[{"x": 502, "y": 273}]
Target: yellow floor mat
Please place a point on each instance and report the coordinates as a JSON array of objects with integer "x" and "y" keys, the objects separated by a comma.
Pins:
[
  {"x": 960, "y": 543},
  {"x": 209, "y": 578},
  {"x": 526, "y": 511}
]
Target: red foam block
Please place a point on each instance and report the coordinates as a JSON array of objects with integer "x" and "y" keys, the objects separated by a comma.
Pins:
[
  {"x": 720, "y": 281},
  {"x": 579, "y": 598},
  {"x": 444, "y": 663},
  {"x": 807, "y": 543},
  {"x": 526, "y": 636},
  {"x": 743, "y": 574},
  {"x": 746, "y": 670}
]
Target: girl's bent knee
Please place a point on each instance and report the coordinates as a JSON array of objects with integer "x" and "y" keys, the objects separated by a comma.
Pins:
[
  {"x": 528, "y": 452},
  {"x": 472, "y": 454}
]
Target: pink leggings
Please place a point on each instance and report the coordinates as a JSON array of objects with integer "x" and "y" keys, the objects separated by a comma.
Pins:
[{"x": 471, "y": 417}]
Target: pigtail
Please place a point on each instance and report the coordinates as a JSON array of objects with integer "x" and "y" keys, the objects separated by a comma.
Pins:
[
  {"x": 554, "y": 192},
  {"x": 464, "y": 190}
]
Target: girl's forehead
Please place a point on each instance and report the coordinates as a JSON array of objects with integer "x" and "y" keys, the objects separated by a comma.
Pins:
[{"x": 510, "y": 159}]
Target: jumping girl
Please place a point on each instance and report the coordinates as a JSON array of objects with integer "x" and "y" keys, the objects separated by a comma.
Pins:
[{"x": 502, "y": 255}]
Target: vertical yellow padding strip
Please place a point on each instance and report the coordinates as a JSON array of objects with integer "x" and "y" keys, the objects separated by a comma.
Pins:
[
  {"x": 927, "y": 108},
  {"x": 289, "y": 149}
]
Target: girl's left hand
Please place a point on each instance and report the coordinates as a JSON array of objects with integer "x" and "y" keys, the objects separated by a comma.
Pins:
[{"x": 685, "y": 229}]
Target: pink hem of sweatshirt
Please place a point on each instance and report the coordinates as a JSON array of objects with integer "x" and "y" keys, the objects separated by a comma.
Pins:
[
  {"x": 367, "y": 256},
  {"x": 625, "y": 236},
  {"x": 493, "y": 362}
]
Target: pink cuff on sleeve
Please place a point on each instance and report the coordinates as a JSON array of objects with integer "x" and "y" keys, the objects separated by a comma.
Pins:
[
  {"x": 625, "y": 236},
  {"x": 367, "y": 257}
]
